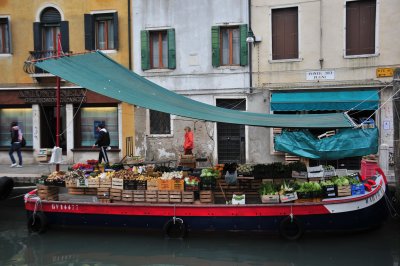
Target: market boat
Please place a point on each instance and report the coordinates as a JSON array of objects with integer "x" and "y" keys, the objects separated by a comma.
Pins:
[{"x": 291, "y": 219}]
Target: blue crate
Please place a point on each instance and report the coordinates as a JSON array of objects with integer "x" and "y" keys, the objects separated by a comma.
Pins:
[{"x": 357, "y": 189}]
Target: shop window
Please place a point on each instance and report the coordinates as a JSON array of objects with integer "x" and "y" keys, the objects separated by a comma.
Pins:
[
  {"x": 24, "y": 118},
  {"x": 229, "y": 46},
  {"x": 360, "y": 27},
  {"x": 160, "y": 123},
  {"x": 158, "y": 49},
  {"x": 101, "y": 31},
  {"x": 5, "y": 36},
  {"x": 45, "y": 32},
  {"x": 285, "y": 43},
  {"x": 90, "y": 117}
]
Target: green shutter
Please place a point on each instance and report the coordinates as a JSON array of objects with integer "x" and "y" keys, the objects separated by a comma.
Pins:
[
  {"x": 215, "y": 46},
  {"x": 171, "y": 49},
  {"x": 244, "y": 55},
  {"x": 145, "y": 49}
]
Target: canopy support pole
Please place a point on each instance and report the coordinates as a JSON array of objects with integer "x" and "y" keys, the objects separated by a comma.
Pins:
[{"x": 58, "y": 100}]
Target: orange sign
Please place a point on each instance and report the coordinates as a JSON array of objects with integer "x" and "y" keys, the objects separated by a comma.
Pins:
[{"x": 384, "y": 72}]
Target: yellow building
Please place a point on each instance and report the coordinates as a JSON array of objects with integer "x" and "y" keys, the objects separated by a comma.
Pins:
[{"x": 28, "y": 94}]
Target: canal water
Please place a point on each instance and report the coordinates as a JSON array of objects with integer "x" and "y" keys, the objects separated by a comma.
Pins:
[{"x": 92, "y": 247}]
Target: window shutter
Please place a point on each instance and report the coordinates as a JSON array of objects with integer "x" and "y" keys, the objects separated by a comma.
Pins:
[
  {"x": 115, "y": 18},
  {"x": 244, "y": 55},
  {"x": 215, "y": 46},
  {"x": 145, "y": 49},
  {"x": 89, "y": 32},
  {"x": 37, "y": 36},
  {"x": 64, "y": 30},
  {"x": 9, "y": 37},
  {"x": 171, "y": 49}
]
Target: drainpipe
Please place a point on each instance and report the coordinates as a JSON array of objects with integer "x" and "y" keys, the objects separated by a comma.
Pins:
[
  {"x": 129, "y": 36},
  {"x": 250, "y": 51}
]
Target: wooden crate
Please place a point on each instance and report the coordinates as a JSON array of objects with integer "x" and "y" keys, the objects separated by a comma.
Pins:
[
  {"x": 163, "y": 184},
  {"x": 175, "y": 196},
  {"x": 104, "y": 201},
  {"x": 152, "y": 184},
  {"x": 255, "y": 184},
  {"x": 115, "y": 194},
  {"x": 206, "y": 196},
  {"x": 103, "y": 193},
  {"x": 270, "y": 199},
  {"x": 127, "y": 195},
  {"x": 343, "y": 191},
  {"x": 71, "y": 183},
  {"x": 139, "y": 196},
  {"x": 93, "y": 182},
  {"x": 76, "y": 191},
  {"x": 105, "y": 183},
  {"x": 187, "y": 197},
  {"x": 163, "y": 196},
  {"x": 176, "y": 184},
  {"x": 47, "y": 193},
  {"x": 151, "y": 196},
  {"x": 222, "y": 183},
  {"x": 116, "y": 198},
  {"x": 90, "y": 191},
  {"x": 117, "y": 183}
]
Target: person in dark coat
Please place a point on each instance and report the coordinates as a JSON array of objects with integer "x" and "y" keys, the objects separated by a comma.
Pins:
[
  {"x": 16, "y": 138},
  {"x": 103, "y": 142}
]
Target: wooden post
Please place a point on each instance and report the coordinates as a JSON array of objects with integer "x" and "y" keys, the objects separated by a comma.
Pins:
[{"x": 396, "y": 133}]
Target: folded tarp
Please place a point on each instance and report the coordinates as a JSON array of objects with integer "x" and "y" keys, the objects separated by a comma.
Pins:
[
  {"x": 346, "y": 143},
  {"x": 97, "y": 72}
]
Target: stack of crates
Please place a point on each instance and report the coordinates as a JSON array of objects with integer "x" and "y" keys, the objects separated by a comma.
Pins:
[{"x": 368, "y": 168}]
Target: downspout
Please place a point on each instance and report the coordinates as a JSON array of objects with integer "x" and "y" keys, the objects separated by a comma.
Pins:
[
  {"x": 321, "y": 55},
  {"x": 250, "y": 51},
  {"x": 129, "y": 36}
]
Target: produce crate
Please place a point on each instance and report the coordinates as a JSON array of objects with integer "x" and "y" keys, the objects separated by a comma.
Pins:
[
  {"x": 117, "y": 183},
  {"x": 163, "y": 184},
  {"x": 139, "y": 196},
  {"x": 152, "y": 184},
  {"x": 342, "y": 191},
  {"x": 329, "y": 191},
  {"x": 90, "y": 191},
  {"x": 175, "y": 197},
  {"x": 151, "y": 196},
  {"x": 104, "y": 200},
  {"x": 93, "y": 182},
  {"x": 163, "y": 196},
  {"x": 55, "y": 183},
  {"x": 297, "y": 174},
  {"x": 288, "y": 197},
  {"x": 129, "y": 184},
  {"x": 115, "y": 198},
  {"x": 176, "y": 184},
  {"x": 105, "y": 183},
  {"x": 103, "y": 193},
  {"x": 141, "y": 184},
  {"x": 255, "y": 184},
  {"x": 315, "y": 172},
  {"x": 187, "y": 197},
  {"x": 270, "y": 199},
  {"x": 357, "y": 189},
  {"x": 127, "y": 195},
  {"x": 47, "y": 193},
  {"x": 206, "y": 196},
  {"x": 115, "y": 194},
  {"x": 70, "y": 183},
  {"x": 191, "y": 187},
  {"x": 368, "y": 168}
]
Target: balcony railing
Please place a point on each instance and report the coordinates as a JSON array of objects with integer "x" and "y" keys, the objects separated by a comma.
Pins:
[{"x": 29, "y": 66}]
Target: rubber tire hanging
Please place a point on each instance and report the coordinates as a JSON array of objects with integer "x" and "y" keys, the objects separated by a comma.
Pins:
[
  {"x": 175, "y": 229},
  {"x": 291, "y": 228},
  {"x": 37, "y": 223}
]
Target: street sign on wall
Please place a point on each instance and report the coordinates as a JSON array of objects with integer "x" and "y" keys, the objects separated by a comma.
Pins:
[
  {"x": 320, "y": 75},
  {"x": 384, "y": 72}
]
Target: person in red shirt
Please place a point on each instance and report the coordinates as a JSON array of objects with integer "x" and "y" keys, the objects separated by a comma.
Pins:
[{"x": 188, "y": 144}]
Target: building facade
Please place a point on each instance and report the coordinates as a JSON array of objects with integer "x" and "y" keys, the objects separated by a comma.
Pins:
[{"x": 27, "y": 94}]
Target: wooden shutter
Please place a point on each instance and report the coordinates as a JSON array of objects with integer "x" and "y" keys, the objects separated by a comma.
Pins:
[
  {"x": 89, "y": 32},
  {"x": 244, "y": 55},
  {"x": 285, "y": 33},
  {"x": 64, "y": 30},
  {"x": 215, "y": 49},
  {"x": 145, "y": 49},
  {"x": 37, "y": 36},
  {"x": 171, "y": 49},
  {"x": 9, "y": 36},
  {"x": 116, "y": 42}
]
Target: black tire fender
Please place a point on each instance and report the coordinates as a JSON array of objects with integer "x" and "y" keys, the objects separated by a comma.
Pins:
[
  {"x": 291, "y": 228},
  {"x": 6, "y": 186},
  {"x": 37, "y": 223},
  {"x": 175, "y": 228}
]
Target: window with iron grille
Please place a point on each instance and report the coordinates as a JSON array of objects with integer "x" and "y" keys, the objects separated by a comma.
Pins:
[
  {"x": 360, "y": 27},
  {"x": 160, "y": 123},
  {"x": 285, "y": 43},
  {"x": 5, "y": 42}
]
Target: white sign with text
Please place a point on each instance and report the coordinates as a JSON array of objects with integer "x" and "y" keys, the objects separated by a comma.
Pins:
[{"x": 320, "y": 75}]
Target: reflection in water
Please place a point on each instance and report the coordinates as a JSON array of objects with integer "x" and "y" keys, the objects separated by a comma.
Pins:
[{"x": 111, "y": 247}]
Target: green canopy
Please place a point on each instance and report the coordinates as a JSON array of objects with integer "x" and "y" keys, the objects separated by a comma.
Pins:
[
  {"x": 346, "y": 143},
  {"x": 97, "y": 72}
]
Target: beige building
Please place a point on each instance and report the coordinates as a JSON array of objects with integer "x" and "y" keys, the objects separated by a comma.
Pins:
[
  {"x": 328, "y": 56},
  {"x": 27, "y": 94}
]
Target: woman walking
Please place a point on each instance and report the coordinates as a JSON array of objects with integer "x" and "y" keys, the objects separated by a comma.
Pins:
[{"x": 16, "y": 138}]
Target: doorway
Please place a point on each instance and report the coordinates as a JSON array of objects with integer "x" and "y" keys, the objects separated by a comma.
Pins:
[
  {"x": 48, "y": 129},
  {"x": 231, "y": 138}
]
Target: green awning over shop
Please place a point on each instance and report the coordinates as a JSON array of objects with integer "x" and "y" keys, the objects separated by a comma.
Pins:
[
  {"x": 97, "y": 72},
  {"x": 321, "y": 101}
]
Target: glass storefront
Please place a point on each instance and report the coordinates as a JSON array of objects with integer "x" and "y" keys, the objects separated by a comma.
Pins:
[{"x": 24, "y": 118}]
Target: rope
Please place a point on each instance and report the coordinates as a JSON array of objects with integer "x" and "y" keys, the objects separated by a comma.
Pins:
[{"x": 37, "y": 204}]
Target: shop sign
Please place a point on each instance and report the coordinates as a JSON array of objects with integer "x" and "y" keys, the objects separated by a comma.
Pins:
[
  {"x": 49, "y": 95},
  {"x": 320, "y": 75},
  {"x": 384, "y": 72}
]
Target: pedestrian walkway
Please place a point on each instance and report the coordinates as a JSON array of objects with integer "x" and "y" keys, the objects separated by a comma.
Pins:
[{"x": 29, "y": 172}]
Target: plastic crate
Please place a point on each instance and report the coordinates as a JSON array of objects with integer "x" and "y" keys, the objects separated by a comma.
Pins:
[
  {"x": 357, "y": 189},
  {"x": 368, "y": 169}
]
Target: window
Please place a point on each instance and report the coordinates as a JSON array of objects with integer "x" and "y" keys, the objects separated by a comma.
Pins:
[
  {"x": 45, "y": 32},
  {"x": 24, "y": 118},
  {"x": 360, "y": 27},
  {"x": 101, "y": 31},
  {"x": 160, "y": 123},
  {"x": 5, "y": 36},
  {"x": 285, "y": 33},
  {"x": 158, "y": 49},
  {"x": 90, "y": 117},
  {"x": 229, "y": 46}
]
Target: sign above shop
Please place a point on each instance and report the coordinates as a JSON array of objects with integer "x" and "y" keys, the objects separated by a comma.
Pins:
[
  {"x": 320, "y": 75},
  {"x": 384, "y": 72},
  {"x": 49, "y": 95}
]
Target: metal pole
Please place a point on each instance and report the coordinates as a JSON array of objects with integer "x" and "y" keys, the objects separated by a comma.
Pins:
[{"x": 58, "y": 101}]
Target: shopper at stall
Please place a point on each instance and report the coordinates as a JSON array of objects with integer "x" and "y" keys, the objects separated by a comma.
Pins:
[
  {"x": 188, "y": 144},
  {"x": 103, "y": 142},
  {"x": 16, "y": 138}
]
